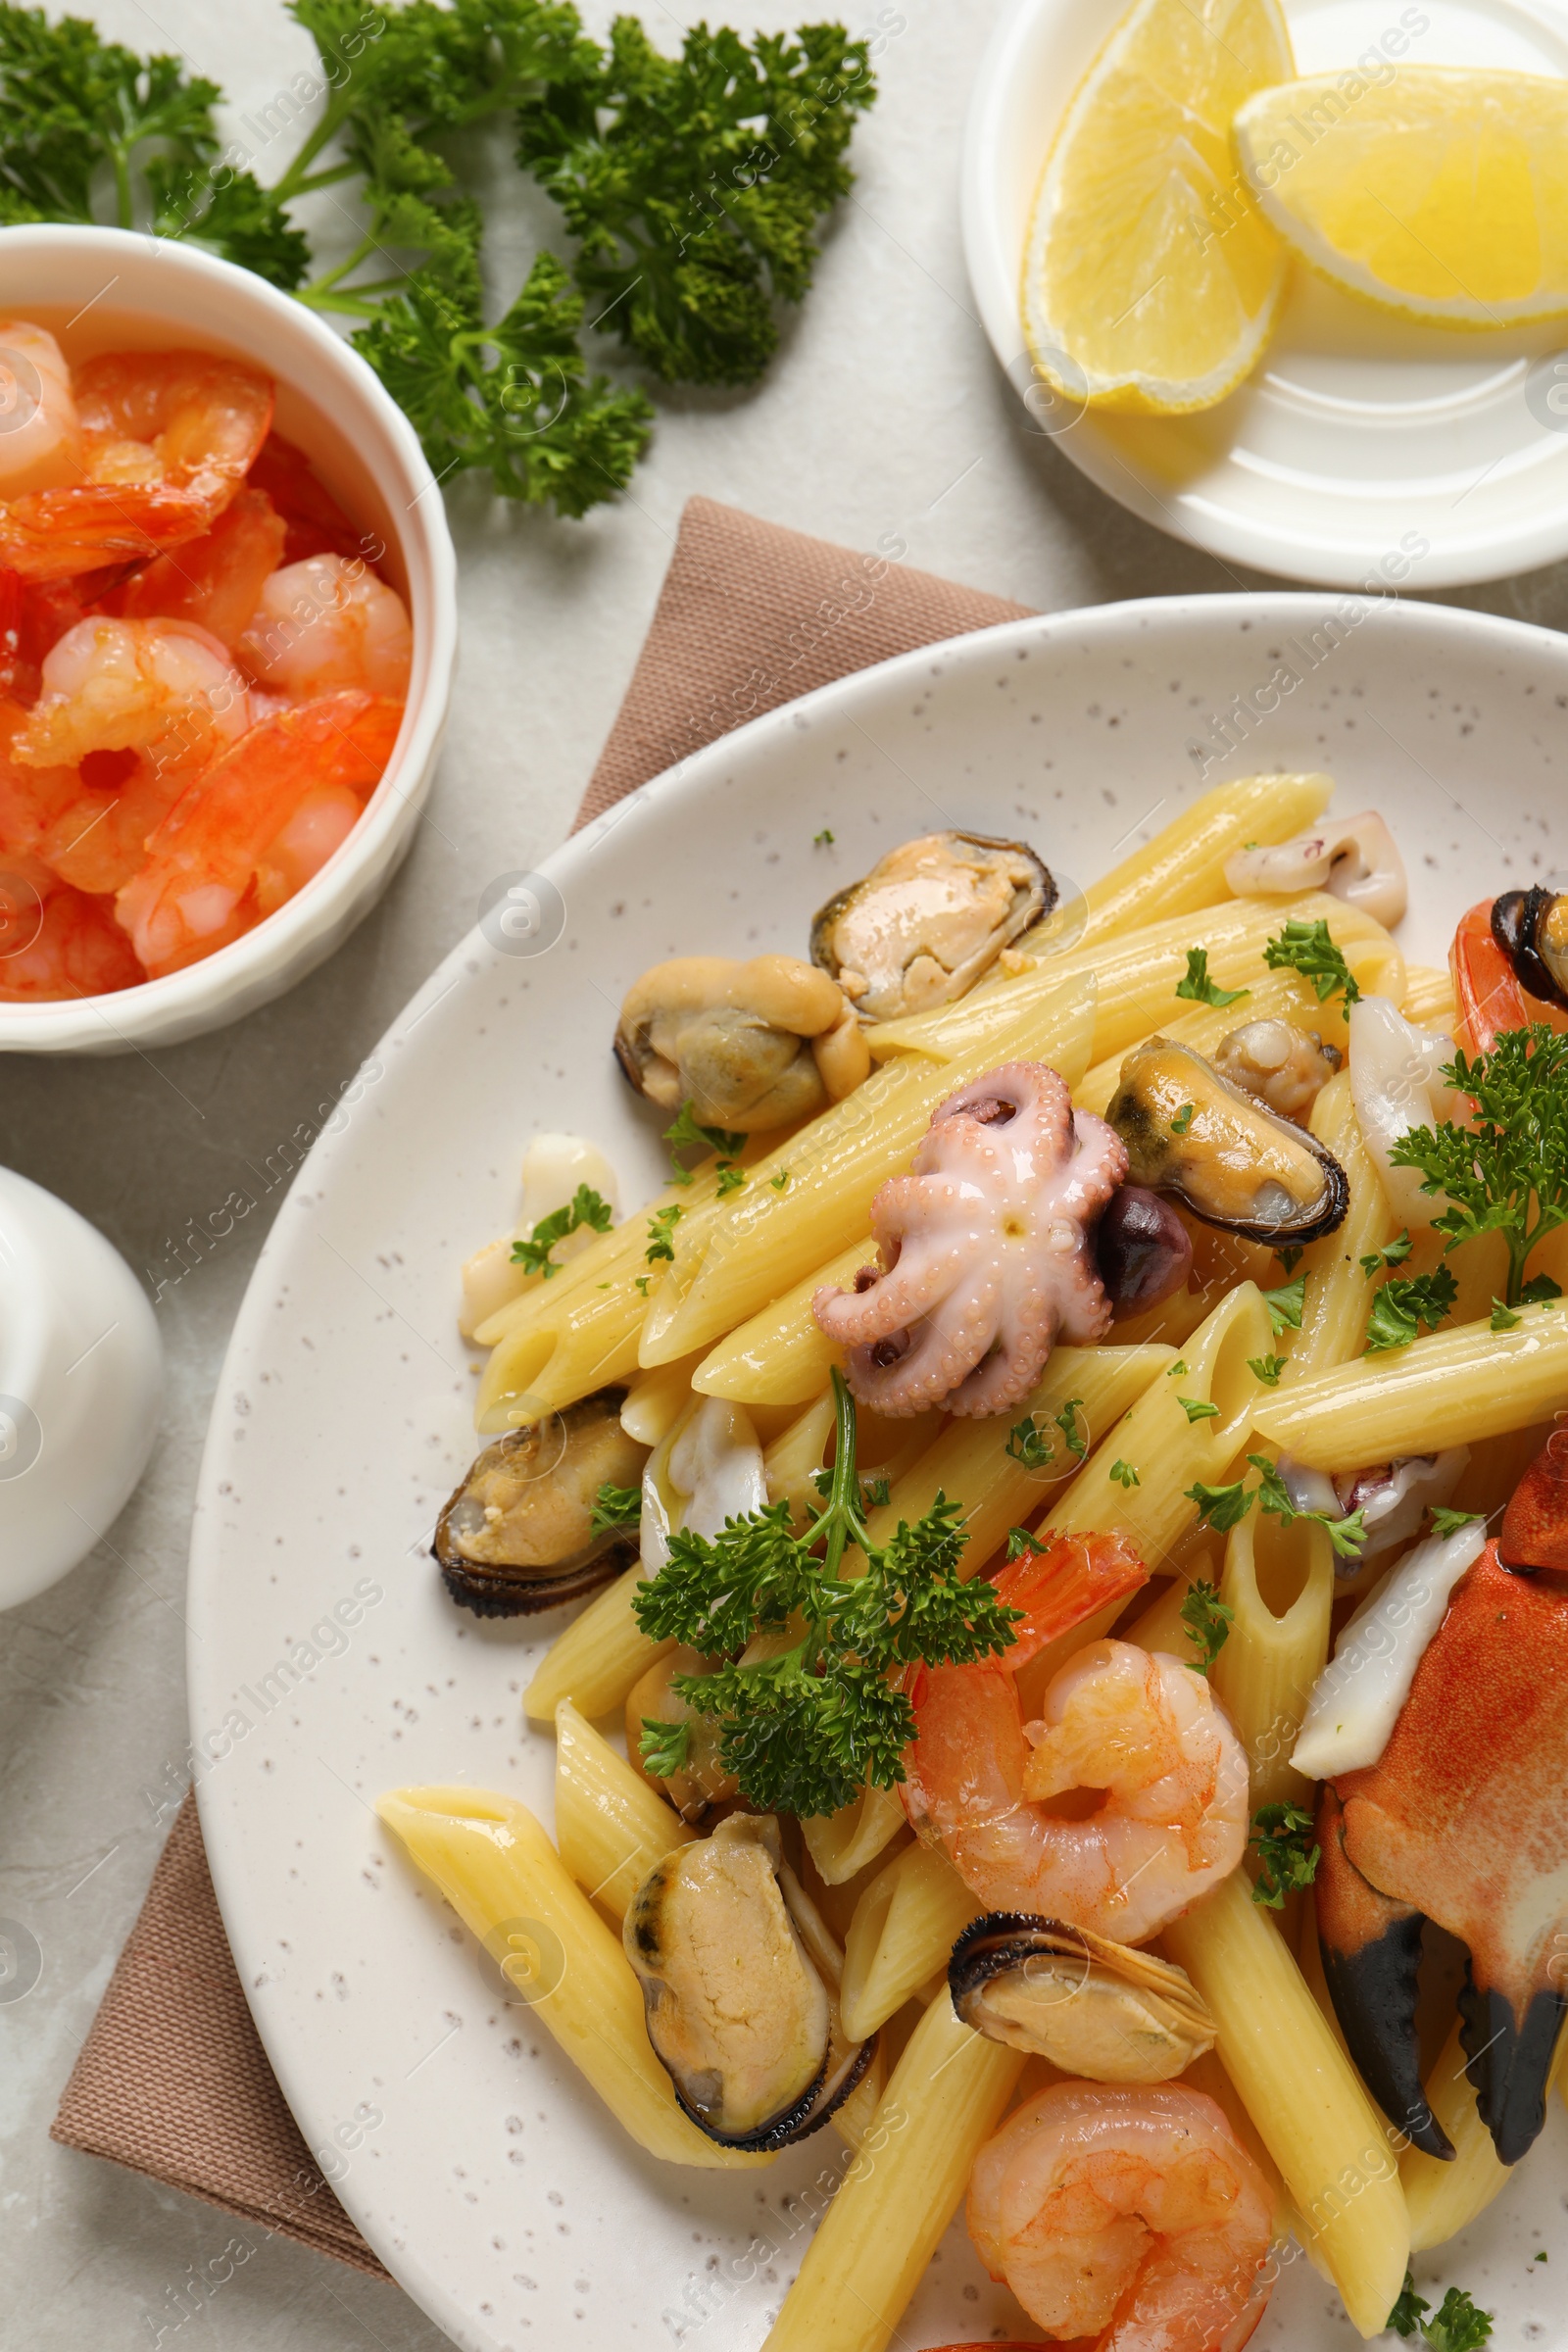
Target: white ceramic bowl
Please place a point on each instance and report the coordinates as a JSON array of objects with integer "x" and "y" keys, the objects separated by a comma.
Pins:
[
  {"x": 106, "y": 289},
  {"x": 81, "y": 1381},
  {"x": 1363, "y": 449}
]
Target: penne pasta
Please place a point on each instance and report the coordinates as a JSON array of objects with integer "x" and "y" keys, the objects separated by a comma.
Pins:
[
  {"x": 904, "y": 1931},
  {"x": 1137, "y": 974},
  {"x": 1444, "y": 2197},
  {"x": 497, "y": 1869},
  {"x": 944, "y": 2099},
  {"x": 841, "y": 1844},
  {"x": 1451, "y": 1387},
  {"x": 1161, "y": 1625},
  {"x": 1270, "y": 997},
  {"x": 1337, "y": 1300},
  {"x": 736, "y": 1257},
  {"x": 1302, "y": 2094},
  {"x": 1278, "y": 1584},
  {"x": 782, "y": 1355},
  {"x": 791, "y": 1463},
  {"x": 1183, "y": 868},
  {"x": 1429, "y": 999},
  {"x": 610, "y": 1826},
  {"x": 972, "y": 1462},
  {"x": 597, "y": 1659}
]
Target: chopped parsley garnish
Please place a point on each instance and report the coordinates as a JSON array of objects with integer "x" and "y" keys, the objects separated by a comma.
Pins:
[
  {"x": 1457, "y": 2326},
  {"x": 823, "y": 839},
  {"x": 1183, "y": 1119},
  {"x": 730, "y": 1179},
  {"x": 1448, "y": 1523},
  {"x": 1068, "y": 1422},
  {"x": 585, "y": 1208},
  {"x": 1209, "y": 1623},
  {"x": 664, "y": 1746},
  {"x": 1199, "y": 1408},
  {"x": 1504, "y": 1318},
  {"x": 1307, "y": 949},
  {"x": 661, "y": 1225},
  {"x": 781, "y": 1182},
  {"x": 685, "y": 1132},
  {"x": 1346, "y": 1534},
  {"x": 1267, "y": 1369},
  {"x": 1508, "y": 1172},
  {"x": 639, "y": 1282},
  {"x": 1124, "y": 1474},
  {"x": 804, "y": 1731},
  {"x": 1286, "y": 1305},
  {"x": 1029, "y": 1444},
  {"x": 1177, "y": 1370},
  {"x": 1019, "y": 1541},
  {"x": 1199, "y": 988},
  {"x": 1287, "y": 1862},
  {"x": 1221, "y": 1507},
  {"x": 1290, "y": 1258},
  {"x": 1405, "y": 2317},
  {"x": 616, "y": 1507},
  {"x": 1404, "y": 1303},
  {"x": 1394, "y": 1255}
]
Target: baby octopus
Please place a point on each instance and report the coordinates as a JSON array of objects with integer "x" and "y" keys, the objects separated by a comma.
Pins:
[{"x": 986, "y": 1248}]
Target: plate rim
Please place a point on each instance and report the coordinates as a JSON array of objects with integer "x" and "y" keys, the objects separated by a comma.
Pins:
[
  {"x": 1459, "y": 562},
  {"x": 689, "y": 779}
]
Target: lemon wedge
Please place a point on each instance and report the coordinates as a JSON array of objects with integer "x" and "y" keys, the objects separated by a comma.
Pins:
[
  {"x": 1151, "y": 278},
  {"x": 1441, "y": 192}
]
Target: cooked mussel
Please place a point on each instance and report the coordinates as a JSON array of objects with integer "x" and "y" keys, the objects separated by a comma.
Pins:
[
  {"x": 1094, "y": 2008},
  {"x": 740, "y": 1981},
  {"x": 1228, "y": 1158},
  {"x": 517, "y": 1536},
  {"x": 702, "y": 1786},
  {"x": 1531, "y": 927},
  {"x": 929, "y": 920},
  {"x": 1282, "y": 1066},
  {"x": 749, "y": 1045}
]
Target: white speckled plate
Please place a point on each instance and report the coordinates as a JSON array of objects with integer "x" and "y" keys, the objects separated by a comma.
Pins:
[
  {"x": 1362, "y": 446},
  {"x": 503, "y": 2200}
]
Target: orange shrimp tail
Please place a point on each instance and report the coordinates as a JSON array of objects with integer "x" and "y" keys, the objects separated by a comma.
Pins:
[
  {"x": 1487, "y": 989},
  {"x": 1062, "y": 1580}
]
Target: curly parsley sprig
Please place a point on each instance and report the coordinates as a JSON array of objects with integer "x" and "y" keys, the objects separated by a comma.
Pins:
[
  {"x": 804, "y": 1730},
  {"x": 1287, "y": 1858},
  {"x": 1309, "y": 948},
  {"x": 1507, "y": 1172},
  {"x": 585, "y": 1208}
]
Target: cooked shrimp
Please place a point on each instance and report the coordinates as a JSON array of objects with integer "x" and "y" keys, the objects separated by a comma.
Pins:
[
  {"x": 165, "y": 438},
  {"x": 237, "y": 829},
  {"x": 57, "y": 941},
  {"x": 325, "y": 624},
  {"x": 138, "y": 708},
  {"x": 1132, "y": 2217},
  {"x": 216, "y": 580},
  {"x": 317, "y": 524},
  {"x": 40, "y": 443},
  {"x": 1145, "y": 1730}
]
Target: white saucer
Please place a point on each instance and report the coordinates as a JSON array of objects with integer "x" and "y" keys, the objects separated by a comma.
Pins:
[{"x": 1364, "y": 450}]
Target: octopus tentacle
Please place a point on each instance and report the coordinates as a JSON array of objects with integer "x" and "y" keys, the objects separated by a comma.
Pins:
[{"x": 985, "y": 1250}]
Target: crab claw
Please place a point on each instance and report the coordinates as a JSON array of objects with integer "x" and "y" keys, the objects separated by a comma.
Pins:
[
  {"x": 1371, "y": 1951},
  {"x": 1463, "y": 1820}
]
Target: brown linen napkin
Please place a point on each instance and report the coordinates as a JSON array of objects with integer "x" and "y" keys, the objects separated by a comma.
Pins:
[{"x": 172, "y": 2079}]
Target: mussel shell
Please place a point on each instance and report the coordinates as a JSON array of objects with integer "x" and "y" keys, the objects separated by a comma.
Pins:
[
  {"x": 1002, "y": 1943},
  {"x": 843, "y": 2071},
  {"x": 1165, "y": 1160},
  {"x": 1517, "y": 918},
  {"x": 522, "y": 1587},
  {"x": 1031, "y": 906}
]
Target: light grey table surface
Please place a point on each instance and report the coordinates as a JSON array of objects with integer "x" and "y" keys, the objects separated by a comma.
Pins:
[{"x": 884, "y": 413}]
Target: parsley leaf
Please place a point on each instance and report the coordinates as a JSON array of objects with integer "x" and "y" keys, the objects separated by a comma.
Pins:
[
  {"x": 616, "y": 1507},
  {"x": 661, "y": 1235},
  {"x": 664, "y": 1746},
  {"x": 1503, "y": 1318},
  {"x": 1448, "y": 1523},
  {"x": 1267, "y": 1369},
  {"x": 1290, "y": 1258},
  {"x": 1540, "y": 1290},
  {"x": 1457, "y": 2326},
  {"x": 1124, "y": 1474},
  {"x": 781, "y": 1182},
  {"x": 1068, "y": 1422},
  {"x": 1286, "y": 1305},
  {"x": 1508, "y": 1172},
  {"x": 1199, "y": 1408},
  {"x": 823, "y": 839},
  {"x": 694, "y": 184},
  {"x": 1279, "y": 1834},
  {"x": 585, "y": 1208},
  {"x": 1394, "y": 1255},
  {"x": 1177, "y": 1370},
  {"x": 1307, "y": 949},
  {"x": 1028, "y": 1444},
  {"x": 804, "y": 1730},
  {"x": 730, "y": 1179},
  {"x": 1019, "y": 1541},
  {"x": 1405, "y": 2317},
  {"x": 1404, "y": 1303},
  {"x": 1183, "y": 1119},
  {"x": 1199, "y": 989},
  {"x": 1209, "y": 1623},
  {"x": 1221, "y": 1507},
  {"x": 685, "y": 1131},
  {"x": 1346, "y": 1534}
]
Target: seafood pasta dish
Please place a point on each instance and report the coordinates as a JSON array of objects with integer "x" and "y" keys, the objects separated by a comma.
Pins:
[
  {"x": 202, "y": 675},
  {"x": 1057, "y": 1549}
]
